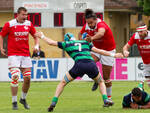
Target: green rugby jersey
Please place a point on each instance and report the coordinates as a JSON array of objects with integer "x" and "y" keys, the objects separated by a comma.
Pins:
[{"x": 77, "y": 49}]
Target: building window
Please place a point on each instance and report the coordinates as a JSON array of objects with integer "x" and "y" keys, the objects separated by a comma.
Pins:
[{"x": 58, "y": 19}]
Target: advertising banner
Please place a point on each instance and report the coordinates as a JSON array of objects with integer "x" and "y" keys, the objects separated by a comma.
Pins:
[
  {"x": 55, "y": 68},
  {"x": 139, "y": 69}
]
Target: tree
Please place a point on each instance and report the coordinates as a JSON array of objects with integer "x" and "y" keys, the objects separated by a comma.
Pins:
[{"x": 145, "y": 6}]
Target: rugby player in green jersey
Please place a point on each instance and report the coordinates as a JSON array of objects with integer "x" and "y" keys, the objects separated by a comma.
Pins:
[
  {"x": 79, "y": 51},
  {"x": 137, "y": 99}
]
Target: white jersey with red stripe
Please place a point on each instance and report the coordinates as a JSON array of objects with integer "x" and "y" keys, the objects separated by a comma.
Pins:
[
  {"x": 107, "y": 41},
  {"x": 143, "y": 46},
  {"x": 18, "y": 37}
]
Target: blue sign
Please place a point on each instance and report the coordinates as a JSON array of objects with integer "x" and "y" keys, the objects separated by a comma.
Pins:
[{"x": 45, "y": 69}]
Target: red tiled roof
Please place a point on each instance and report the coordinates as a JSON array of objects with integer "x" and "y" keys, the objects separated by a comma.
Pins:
[{"x": 120, "y": 4}]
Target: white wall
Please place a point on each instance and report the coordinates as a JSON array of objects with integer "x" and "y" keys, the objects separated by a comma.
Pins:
[{"x": 67, "y": 7}]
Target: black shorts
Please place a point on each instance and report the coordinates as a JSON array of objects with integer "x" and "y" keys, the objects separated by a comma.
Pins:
[{"x": 84, "y": 67}]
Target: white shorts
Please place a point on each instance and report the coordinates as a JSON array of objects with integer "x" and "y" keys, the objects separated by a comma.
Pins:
[
  {"x": 19, "y": 61},
  {"x": 106, "y": 60},
  {"x": 146, "y": 70}
]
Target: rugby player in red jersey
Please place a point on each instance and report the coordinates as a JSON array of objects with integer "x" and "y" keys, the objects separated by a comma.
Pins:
[
  {"x": 102, "y": 38},
  {"x": 18, "y": 30},
  {"x": 142, "y": 38}
]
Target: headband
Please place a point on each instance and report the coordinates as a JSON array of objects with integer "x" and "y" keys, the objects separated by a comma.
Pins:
[{"x": 141, "y": 28}]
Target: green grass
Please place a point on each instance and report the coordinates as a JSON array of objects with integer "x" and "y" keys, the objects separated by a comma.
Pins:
[{"x": 76, "y": 98}]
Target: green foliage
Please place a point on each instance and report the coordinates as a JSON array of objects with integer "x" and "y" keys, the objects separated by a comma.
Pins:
[
  {"x": 145, "y": 4},
  {"x": 76, "y": 98},
  {"x": 140, "y": 3},
  {"x": 146, "y": 7}
]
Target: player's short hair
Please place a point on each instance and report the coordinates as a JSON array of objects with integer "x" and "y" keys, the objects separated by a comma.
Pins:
[
  {"x": 21, "y": 9},
  {"x": 89, "y": 13},
  {"x": 140, "y": 23},
  {"x": 136, "y": 92}
]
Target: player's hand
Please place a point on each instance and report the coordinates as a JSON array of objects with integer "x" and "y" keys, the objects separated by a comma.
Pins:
[
  {"x": 134, "y": 105},
  {"x": 88, "y": 38},
  {"x": 126, "y": 53},
  {"x": 3, "y": 52},
  {"x": 40, "y": 35},
  {"x": 36, "y": 48},
  {"x": 36, "y": 58},
  {"x": 118, "y": 55}
]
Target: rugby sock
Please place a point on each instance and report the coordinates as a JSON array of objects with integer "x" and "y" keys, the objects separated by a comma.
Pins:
[
  {"x": 55, "y": 99},
  {"x": 23, "y": 95},
  {"x": 104, "y": 97},
  {"x": 14, "y": 99},
  {"x": 109, "y": 97},
  {"x": 140, "y": 85},
  {"x": 109, "y": 91}
]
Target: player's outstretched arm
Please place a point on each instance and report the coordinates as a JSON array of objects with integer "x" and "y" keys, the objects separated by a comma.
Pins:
[
  {"x": 106, "y": 53},
  {"x": 147, "y": 106},
  {"x": 125, "y": 50},
  {"x": 46, "y": 39},
  {"x": 3, "y": 52},
  {"x": 36, "y": 42}
]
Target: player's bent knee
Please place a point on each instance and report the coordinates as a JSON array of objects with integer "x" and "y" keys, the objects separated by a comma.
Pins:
[
  {"x": 98, "y": 79},
  {"x": 27, "y": 77},
  {"x": 27, "y": 74},
  {"x": 108, "y": 83},
  {"x": 15, "y": 73},
  {"x": 66, "y": 79},
  {"x": 14, "y": 82},
  {"x": 27, "y": 80},
  {"x": 63, "y": 83}
]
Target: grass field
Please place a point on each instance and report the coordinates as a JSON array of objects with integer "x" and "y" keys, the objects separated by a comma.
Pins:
[{"x": 76, "y": 98}]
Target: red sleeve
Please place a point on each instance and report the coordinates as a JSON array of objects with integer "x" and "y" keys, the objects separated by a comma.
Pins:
[
  {"x": 132, "y": 40},
  {"x": 102, "y": 25},
  {"x": 32, "y": 30},
  {"x": 5, "y": 30},
  {"x": 83, "y": 29}
]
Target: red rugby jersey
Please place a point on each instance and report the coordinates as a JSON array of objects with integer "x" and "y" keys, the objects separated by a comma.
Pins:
[
  {"x": 18, "y": 37},
  {"x": 106, "y": 42},
  {"x": 143, "y": 46}
]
